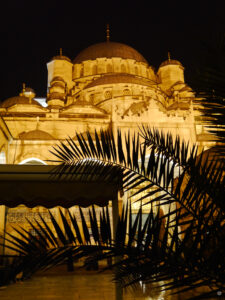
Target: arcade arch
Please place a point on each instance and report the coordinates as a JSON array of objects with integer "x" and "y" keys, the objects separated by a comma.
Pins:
[{"x": 32, "y": 161}]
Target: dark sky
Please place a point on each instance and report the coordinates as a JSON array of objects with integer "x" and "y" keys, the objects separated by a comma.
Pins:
[{"x": 33, "y": 31}]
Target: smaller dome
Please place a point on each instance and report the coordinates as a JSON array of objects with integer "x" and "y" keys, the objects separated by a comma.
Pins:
[
  {"x": 28, "y": 89},
  {"x": 171, "y": 62},
  {"x": 28, "y": 92},
  {"x": 36, "y": 135},
  {"x": 18, "y": 100},
  {"x": 119, "y": 78},
  {"x": 61, "y": 57}
]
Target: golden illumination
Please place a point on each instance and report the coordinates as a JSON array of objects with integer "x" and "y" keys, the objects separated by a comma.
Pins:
[
  {"x": 107, "y": 33},
  {"x": 107, "y": 86}
]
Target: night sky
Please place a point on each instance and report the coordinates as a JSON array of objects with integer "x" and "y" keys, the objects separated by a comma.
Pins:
[{"x": 33, "y": 31}]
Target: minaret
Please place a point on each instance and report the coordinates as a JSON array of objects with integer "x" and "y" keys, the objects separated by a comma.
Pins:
[
  {"x": 170, "y": 72},
  {"x": 57, "y": 93},
  {"x": 24, "y": 88},
  {"x": 60, "y": 66}
]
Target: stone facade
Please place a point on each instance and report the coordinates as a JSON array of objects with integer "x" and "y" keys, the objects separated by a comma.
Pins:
[{"x": 107, "y": 86}]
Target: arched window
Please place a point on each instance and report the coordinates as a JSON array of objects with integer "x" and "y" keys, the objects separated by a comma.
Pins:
[
  {"x": 109, "y": 68},
  {"x": 81, "y": 71},
  {"x": 123, "y": 69},
  {"x": 92, "y": 97},
  {"x": 94, "y": 70},
  {"x": 108, "y": 95},
  {"x": 32, "y": 161},
  {"x": 136, "y": 70},
  {"x": 126, "y": 92}
]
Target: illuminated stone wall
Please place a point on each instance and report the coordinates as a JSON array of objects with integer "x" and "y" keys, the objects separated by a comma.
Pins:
[{"x": 93, "y": 94}]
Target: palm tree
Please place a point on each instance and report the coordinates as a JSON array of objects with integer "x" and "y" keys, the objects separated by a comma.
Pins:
[
  {"x": 209, "y": 84},
  {"x": 179, "y": 246}
]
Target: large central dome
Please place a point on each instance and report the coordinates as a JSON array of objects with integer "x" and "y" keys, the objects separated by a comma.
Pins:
[{"x": 109, "y": 50}]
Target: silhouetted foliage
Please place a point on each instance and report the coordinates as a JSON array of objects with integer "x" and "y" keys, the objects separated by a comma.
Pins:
[
  {"x": 209, "y": 84},
  {"x": 180, "y": 248}
]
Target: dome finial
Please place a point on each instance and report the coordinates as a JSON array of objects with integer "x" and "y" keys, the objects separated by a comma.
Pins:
[
  {"x": 24, "y": 88},
  {"x": 169, "y": 56},
  {"x": 107, "y": 33},
  {"x": 60, "y": 51}
]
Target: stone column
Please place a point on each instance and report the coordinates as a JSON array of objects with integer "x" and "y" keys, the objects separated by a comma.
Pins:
[
  {"x": 2, "y": 226},
  {"x": 116, "y": 210}
]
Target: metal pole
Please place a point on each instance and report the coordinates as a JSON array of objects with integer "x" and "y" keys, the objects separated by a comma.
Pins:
[{"x": 115, "y": 213}]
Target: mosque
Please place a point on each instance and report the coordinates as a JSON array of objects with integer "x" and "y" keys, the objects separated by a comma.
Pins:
[{"x": 108, "y": 85}]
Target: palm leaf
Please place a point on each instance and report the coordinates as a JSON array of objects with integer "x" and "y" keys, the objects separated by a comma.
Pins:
[{"x": 167, "y": 246}]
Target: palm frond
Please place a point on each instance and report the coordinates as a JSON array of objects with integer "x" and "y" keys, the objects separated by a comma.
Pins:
[
  {"x": 170, "y": 248},
  {"x": 151, "y": 177},
  {"x": 209, "y": 83},
  {"x": 152, "y": 251}
]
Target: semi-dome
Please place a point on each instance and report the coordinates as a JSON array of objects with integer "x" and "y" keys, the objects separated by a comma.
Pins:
[
  {"x": 36, "y": 135},
  {"x": 119, "y": 78},
  {"x": 61, "y": 57},
  {"x": 18, "y": 100},
  {"x": 109, "y": 50},
  {"x": 29, "y": 90},
  {"x": 171, "y": 62}
]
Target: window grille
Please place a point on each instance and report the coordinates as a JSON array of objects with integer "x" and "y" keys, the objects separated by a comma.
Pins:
[{"x": 108, "y": 95}]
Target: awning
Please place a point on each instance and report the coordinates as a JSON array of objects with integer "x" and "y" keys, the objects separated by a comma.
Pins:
[{"x": 34, "y": 185}]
